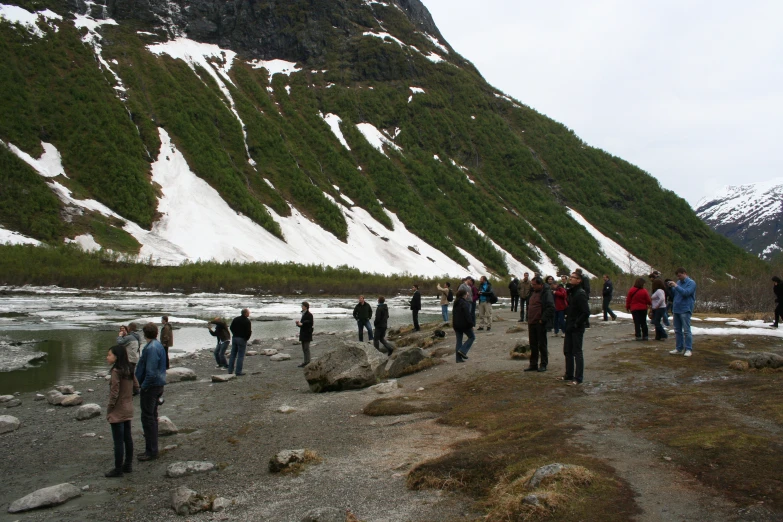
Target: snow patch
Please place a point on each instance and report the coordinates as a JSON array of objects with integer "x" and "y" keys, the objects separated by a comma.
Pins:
[
  {"x": 275, "y": 67},
  {"x": 14, "y": 14},
  {"x": 376, "y": 138},
  {"x": 269, "y": 183},
  {"x": 334, "y": 121},
  {"x": 511, "y": 101},
  {"x": 49, "y": 165},
  {"x": 514, "y": 266},
  {"x": 436, "y": 43},
  {"x": 86, "y": 242},
  {"x": 415, "y": 91},
  {"x": 9, "y": 237},
  {"x": 434, "y": 58}
]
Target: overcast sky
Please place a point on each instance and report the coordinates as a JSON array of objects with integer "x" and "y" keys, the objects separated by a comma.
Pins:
[{"x": 690, "y": 91}]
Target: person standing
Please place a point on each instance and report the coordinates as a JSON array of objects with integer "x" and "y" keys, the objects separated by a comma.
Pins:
[
  {"x": 607, "y": 293},
  {"x": 166, "y": 337},
  {"x": 241, "y": 330},
  {"x": 561, "y": 303},
  {"x": 119, "y": 411},
  {"x": 444, "y": 299},
  {"x": 577, "y": 313},
  {"x": 637, "y": 302},
  {"x": 223, "y": 338},
  {"x": 415, "y": 307},
  {"x": 524, "y": 295},
  {"x": 586, "y": 286},
  {"x": 362, "y": 313},
  {"x": 381, "y": 325},
  {"x": 132, "y": 344},
  {"x": 777, "y": 288},
  {"x": 485, "y": 306},
  {"x": 151, "y": 376},
  {"x": 684, "y": 291},
  {"x": 659, "y": 308},
  {"x": 540, "y": 312},
  {"x": 305, "y": 324},
  {"x": 474, "y": 297},
  {"x": 462, "y": 322},
  {"x": 513, "y": 288}
]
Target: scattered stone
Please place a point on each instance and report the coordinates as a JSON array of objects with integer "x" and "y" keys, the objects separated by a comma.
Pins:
[
  {"x": 51, "y": 496},
  {"x": 107, "y": 378},
  {"x": 6, "y": 398},
  {"x": 166, "y": 427},
  {"x": 71, "y": 400},
  {"x": 86, "y": 488},
  {"x": 219, "y": 504},
  {"x": 515, "y": 329},
  {"x": 251, "y": 353},
  {"x": 325, "y": 514},
  {"x": 185, "y": 501},
  {"x": 54, "y": 397},
  {"x": 88, "y": 411},
  {"x": 667, "y": 459},
  {"x": 88, "y": 435},
  {"x": 223, "y": 377},
  {"x": 520, "y": 351},
  {"x": 180, "y": 374},
  {"x": 531, "y": 500},
  {"x": 285, "y": 458},
  {"x": 285, "y": 409},
  {"x": 269, "y": 352},
  {"x": 171, "y": 447},
  {"x": 90, "y": 390},
  {"x": 256, "y": 342},
  {"x": 280, "y": 357},
  {"x": 740, "y": 366},
  {"x": 404, "y": 361},
  {"x": 191, "y": 467},
  {"x": 13, "y": 403},
  {"x": 66, "y": 389},
  {"x": 351, "y": 366},
  {"x": 419, "y": 389},
  {"x": 544, "y": 472},
  {"x": 765, "y": 360},
  {"x": 8, "y": 423},
  {"x": 386, "y": 387},
  {"x": 39, "y": 397}
]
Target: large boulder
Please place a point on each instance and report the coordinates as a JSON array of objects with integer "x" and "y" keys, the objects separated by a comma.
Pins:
[
  {"x": 6, "y": 398},
  {"x": 45, "y": 497},
  {"x": 351, "y": 366},
  {"x": 8, "y": 423},
  {"x": 71, "y": 400},
  {"x": 185, "y": 501},
  {"x": 765, "y": 360},
  {"x": 180, "y": 374},
  {"x": 88, "y": 411},
  {"x": 54, "y": 397},
  {"x": 191, "y": 467},
  {"x": 166, "y": 427},
  {"x": 403, "y": 361}
]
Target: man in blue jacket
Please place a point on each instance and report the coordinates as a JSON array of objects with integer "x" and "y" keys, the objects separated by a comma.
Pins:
[
  {"x": 684, "y": 290},
  {"x": 151, "y": 374}
]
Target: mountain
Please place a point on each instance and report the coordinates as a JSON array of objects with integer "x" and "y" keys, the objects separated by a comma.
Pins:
[
  {"x": 327, "y": 132},
  {"x": 751, "y": 216}
]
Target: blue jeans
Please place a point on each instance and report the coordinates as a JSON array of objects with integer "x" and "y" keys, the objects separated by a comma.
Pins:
[
  {"x": 220, "y": 353},
  {"x": 658, "y": 315},
  {"x": 559, "y": 321},
  {"x": 444, "y": 309},
  {"x": 464, "y": 348},
  {"x": 682, "y": 331},
  {"x": 238, "y": 347},
  {"x": 364, "y": 323}
]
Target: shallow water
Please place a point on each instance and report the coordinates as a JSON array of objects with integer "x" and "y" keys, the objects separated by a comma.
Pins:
[{"x": 76, "y": 328}]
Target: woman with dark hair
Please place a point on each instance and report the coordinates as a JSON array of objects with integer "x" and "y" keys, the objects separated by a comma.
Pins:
[
  {"x": 462, "y": 321},
  {"x": 778, "y": 289},
  {"x": 119, "y": 412},
  {"x": 305, "y": 324},
  {"x": 637, "y": 301},
  {"x": 659, "y": 308}
]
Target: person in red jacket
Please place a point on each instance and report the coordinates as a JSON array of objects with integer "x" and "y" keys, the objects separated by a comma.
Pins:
[
  {"x": 637, "y": 302},
  {"x": 561, "y": 303}
]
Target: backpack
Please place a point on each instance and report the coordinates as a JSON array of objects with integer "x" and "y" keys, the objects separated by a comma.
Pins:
[
  {"x": 450, "y": 297},
  {"x": 493, "y": 298}
]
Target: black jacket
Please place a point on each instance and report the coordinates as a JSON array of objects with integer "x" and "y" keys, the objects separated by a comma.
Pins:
[
  {"x": 306, "y": 329},
  {"x": 578, "y": 311},
  {"x": 608, "y": 289},
  {"x": 221, "y": 331},
  {"x": 778, "y": 289},
  {"x": 462, "y": 319},
  {"x": 586, "y": 284},
  {"x": 547, "y": 307},
  {"x": 513, "y": 287},
  {"x": 362, "y": 311},
  {"x": 416, "y": 301},
  {"x": 240, "y": 327},
  {"x": 381, "y": 316}
]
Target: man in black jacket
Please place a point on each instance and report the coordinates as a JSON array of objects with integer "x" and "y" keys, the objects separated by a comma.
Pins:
[
  {"x": 607, "y": 297},
  {"x": 540, "y": 312},
  {"x": 362, "y": 312},
  {"x": 777, "y": 288},
  {"x": 462, "y": 322},
  {"x": 415, "y": 307},
  {"x": 305, "y": 324},
  {"x": 381, "y": 324},
  {"x": 577, "y": 313},
  {"x": 513, "y": 288},
  {"x": 241, "y": 330},
  {"x": 223, "y": 338}
]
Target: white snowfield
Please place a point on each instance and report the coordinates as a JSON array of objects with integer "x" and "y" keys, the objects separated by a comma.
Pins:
[
  {"x": 14, "y": 14},
  {"x": 49, "y": 165},
  {"x": 86, "y": 242},
  {"x": 334, "y": 121},
  {"x": 9, "y": 237},
  {"x": 626, "y": 261},
  {"x": 514, "y": 266},
  {"x": 376, "y": 138},
  {"x": 276, "y": 67}
]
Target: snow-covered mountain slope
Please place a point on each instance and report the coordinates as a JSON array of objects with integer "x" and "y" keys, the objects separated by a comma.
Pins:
[{"x": 751, "y": 216}]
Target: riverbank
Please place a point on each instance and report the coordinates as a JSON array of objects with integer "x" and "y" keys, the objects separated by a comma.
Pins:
[{"x": 665, "y": 437}]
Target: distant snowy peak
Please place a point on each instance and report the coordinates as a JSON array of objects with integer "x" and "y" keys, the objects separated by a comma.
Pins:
[{"x": 749, "y": 215}]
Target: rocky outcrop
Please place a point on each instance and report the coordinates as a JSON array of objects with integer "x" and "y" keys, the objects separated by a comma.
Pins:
[
  {"x": 351, "y": 366},
  {"x": 51, "y": 496}
]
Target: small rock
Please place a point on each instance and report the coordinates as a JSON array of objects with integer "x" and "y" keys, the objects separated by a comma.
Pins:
[
  {"x": 386, "y": 387},
  {"x": 668, "y": 459},
  {"x": 740, "y": 366},
  {"x": 66, "y": 389},
  {"x": 285, "y": 409},
  {"x": 191, "y": 467},
  {"x": 280, "y": 357},
  {"x": 765, "y": 360},
  {"x": 325, "y": 514},
  {"x": 8, "y": 423},
  {"x": 88, "y": 435},
  {"x": 166, "y": 427},
  {"x": 51, "y": 496},
  {"x": 171, "y": 447},
  {"x": 88, "y": 411},
  {"x": 5, "y": 398},
  {"x": 256, "y": 342},
  {"x": 223, "y": 377},
  {"x": 107, "y": 378},
  {"x": 284, "y": 459},
  {"x": 219, "y": 504},
  {"x": 13, "y": 403},
  {"x": 269, "y": 351},
  {"x": 185, "y": 501},
  {"x": 531, "y": 499},
  {"x": 544, "y": 472},
  {"x": 419, "y": 389},
  {"x": 180, "y": 374},
  {"x": 86, "y": 488},
  {"x": 39, "y": 397},
  {"x": 54, "y": 397},
  {"x": 71, "y": 400},
  {"x": 90, "y": 390},
  {"x": 515, "y": 329},
  {"x": 251, "y": 353}
]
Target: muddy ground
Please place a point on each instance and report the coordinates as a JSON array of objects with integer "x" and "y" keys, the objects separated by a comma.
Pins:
[{"x": 666, "y": 437}]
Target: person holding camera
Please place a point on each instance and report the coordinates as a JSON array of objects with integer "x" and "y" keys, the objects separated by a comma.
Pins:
[{"x": 684, "y": 291}]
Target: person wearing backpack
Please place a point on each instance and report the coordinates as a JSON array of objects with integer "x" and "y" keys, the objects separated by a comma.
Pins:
[
  {"x": 485, "y": 303},
  {"x": 445, "y": 298}
]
